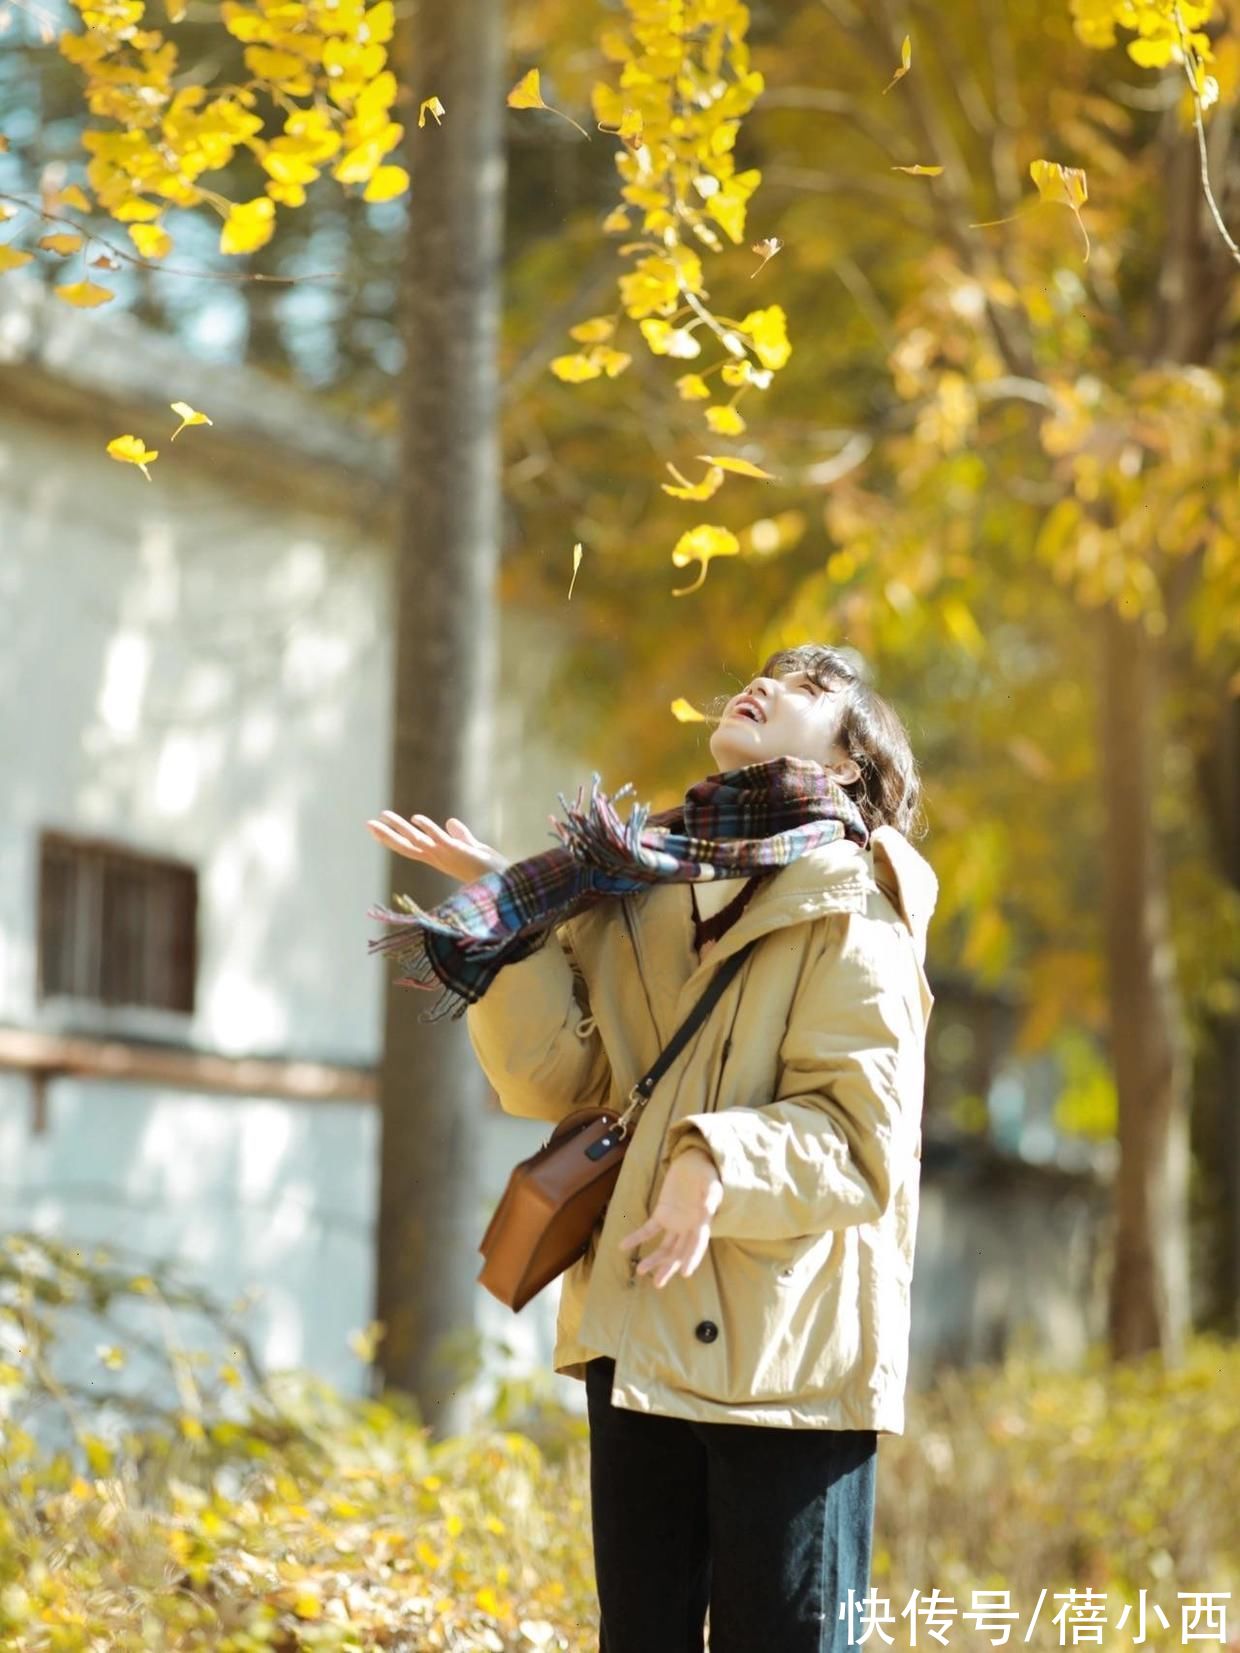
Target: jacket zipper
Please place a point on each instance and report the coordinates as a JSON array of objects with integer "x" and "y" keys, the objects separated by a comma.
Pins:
[{"x": 658, "y": 1039}]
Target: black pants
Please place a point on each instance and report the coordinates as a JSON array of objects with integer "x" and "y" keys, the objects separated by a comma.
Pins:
[{"x": 768, "y": 1527}]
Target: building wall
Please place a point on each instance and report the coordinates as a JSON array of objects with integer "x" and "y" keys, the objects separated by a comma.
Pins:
[{"x": 206, "y": 676}]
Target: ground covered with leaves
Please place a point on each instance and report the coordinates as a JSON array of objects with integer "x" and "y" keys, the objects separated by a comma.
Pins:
[{"x": 263, "y": 1513}]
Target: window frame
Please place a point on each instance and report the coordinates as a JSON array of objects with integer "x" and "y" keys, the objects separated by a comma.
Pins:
[{"x": 95, "y": 909}]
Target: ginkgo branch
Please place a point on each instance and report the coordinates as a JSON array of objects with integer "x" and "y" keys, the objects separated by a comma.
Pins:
[
  {"x": 1190, "y": 69},
  {"x": 137, "y": 261}
]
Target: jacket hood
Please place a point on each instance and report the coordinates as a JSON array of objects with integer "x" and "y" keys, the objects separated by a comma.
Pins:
[{"x": 907, "y": 879}]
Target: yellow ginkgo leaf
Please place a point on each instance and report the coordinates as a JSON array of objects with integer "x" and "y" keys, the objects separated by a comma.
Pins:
[
  {"x": 766, "y": 251},
  {"x": 710, "y": 484},
  {"x": 6, "y": 212},
  {"x": 527, "y": 94},
  {"x": 60, "y": 243},
  {"x": 387, "y": 183},
  {"x": 12, "y": 258},
  {"x": 741, "y": 467},
  {"x": 612, "y": 362},
  {"x": 576, "y": 566},
  {"x": 574, "y": 369},
  {"x": 132, "y": 450},
  {"x": 84, "y": 295},
  {"x": 595, "y": 331},
  {"x": 1065, "y": 186},
  {"x": 72, "y": 197},
  {"x": 724, "y": 420},
  {"x": 616, "y": 222},
  {"x": 176, "y": 10},
  {"x": 187, "y": 416},
  {"x": 692, "y": 387},
  {"x": 919, "y": 171},
  {"x": 1054, "y": 182},
  {"x": 906, "y": 63},
  {"x": 702, "y": 544},
  {"x": 249, "y": 225},
  {"x": 431, "y": 106},
  {"x": 683, "y": 712},
  {"x": 151, "y": 240}
]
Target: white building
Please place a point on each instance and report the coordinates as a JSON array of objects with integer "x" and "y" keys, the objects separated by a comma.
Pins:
[{"x": 195, "y": 726}]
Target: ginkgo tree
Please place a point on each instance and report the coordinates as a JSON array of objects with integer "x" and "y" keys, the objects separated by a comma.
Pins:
[{"x": 1008, "y": 472}]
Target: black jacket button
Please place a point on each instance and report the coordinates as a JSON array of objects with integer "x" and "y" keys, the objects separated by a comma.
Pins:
[{"x": 707, "y": 1331}]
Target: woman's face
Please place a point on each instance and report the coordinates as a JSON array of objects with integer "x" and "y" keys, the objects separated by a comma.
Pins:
[{"x": 782, "y": 717}]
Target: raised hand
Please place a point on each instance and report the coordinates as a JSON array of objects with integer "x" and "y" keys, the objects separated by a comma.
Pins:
[{"x": 451, "y": 848}]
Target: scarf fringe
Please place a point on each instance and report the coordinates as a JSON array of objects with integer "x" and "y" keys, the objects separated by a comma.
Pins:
[
  {"x": 406, "y": 941},
  {"x": 597, "y": 837}
]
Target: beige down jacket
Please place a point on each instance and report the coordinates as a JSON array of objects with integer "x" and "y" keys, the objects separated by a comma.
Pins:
[{"x": 806, "y": 1086}]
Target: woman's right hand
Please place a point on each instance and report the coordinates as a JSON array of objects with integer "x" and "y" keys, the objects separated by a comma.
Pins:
[{"x": 451, "y": 848}]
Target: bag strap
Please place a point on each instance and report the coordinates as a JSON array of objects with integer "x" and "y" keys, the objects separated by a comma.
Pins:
[{"x": 642, "y": 1090}]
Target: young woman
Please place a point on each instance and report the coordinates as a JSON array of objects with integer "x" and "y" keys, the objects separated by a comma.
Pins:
[{"x": 741, "y": 1317}]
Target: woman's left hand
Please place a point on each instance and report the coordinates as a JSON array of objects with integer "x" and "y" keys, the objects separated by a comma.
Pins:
[{"x": 690, "y": 1196}]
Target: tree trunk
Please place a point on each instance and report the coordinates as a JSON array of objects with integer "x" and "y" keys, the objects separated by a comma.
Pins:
[
  {"x": 431, "y": 1090},
  {"x": 1150, "y": 1303}
]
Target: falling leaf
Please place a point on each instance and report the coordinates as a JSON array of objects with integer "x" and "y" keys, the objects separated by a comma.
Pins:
[
  {"x": 710, "y": 484},
  {"x": 62, "y": 244},
  {"x": 920, "y": 171},
  {"x": 527, "y": 94},
  {"x": 576, "y": 566},
  {"x": 683, "y": 712},
  {"x": 431, "y": 106},
  {"x": 702, "y": 544},
  {"x": 742, "y": 467},
  {"x": 906, "y": 63},
  {"x": 1065, "y": 186},
  {"x": 4, "y": 144},
  {"x": 84, "y": 295},
  {"x": 12, "y": 258},
  {"x": 187, "y": 416},
  {"x": 766, "y": 251},
  {"x": 105, "y": 261},
  {"x": 132, "y": 450}
]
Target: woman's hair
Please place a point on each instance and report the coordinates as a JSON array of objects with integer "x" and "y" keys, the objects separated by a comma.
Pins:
[{"x": 888, "y": 791}]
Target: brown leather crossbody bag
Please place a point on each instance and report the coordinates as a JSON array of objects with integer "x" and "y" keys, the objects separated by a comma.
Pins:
[{"x": 556, "y": 1197}]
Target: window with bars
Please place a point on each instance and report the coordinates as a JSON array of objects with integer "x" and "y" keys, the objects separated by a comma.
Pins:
[{"x": 115, "y": 927}]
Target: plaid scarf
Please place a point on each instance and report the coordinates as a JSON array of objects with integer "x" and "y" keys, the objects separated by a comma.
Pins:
[{"x": 731, "y": 825}]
